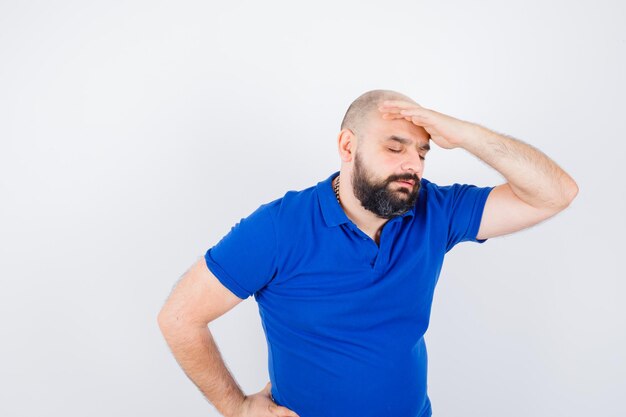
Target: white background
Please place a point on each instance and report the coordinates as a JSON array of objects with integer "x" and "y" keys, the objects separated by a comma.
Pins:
[{"x": 134, "y": 135}]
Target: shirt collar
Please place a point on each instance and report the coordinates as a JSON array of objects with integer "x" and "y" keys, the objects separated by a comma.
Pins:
[{"x": 332, "y": 211}]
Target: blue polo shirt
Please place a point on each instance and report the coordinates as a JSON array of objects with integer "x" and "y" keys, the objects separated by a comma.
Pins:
[{"x": 344, "y": 318}]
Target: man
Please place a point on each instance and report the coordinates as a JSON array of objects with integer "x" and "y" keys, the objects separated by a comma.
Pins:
[{"x": 344, "y": 272}]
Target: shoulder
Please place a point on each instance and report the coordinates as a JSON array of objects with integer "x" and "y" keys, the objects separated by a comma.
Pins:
[
  {"x": 292, "y": 206},
  {"x": 433, "y": 193},
  {"x": 295, "y": 201},
  {"x": 440, "y": 193}
]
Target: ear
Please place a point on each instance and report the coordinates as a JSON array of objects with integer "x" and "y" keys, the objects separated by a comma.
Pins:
[{"x": 346, "y": 142}]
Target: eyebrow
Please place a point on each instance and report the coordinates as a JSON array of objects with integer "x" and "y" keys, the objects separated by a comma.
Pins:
[{"x": 405, "y": 141}]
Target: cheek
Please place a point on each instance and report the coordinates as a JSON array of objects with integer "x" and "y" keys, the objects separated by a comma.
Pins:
[{"x": 390, "y": 162}]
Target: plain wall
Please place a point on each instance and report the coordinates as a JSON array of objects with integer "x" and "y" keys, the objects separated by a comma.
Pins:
[{"x": 134, "y": 135}]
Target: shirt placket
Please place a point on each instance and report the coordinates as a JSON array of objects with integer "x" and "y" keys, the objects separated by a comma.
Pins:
[{"x": 377, "y": 255}]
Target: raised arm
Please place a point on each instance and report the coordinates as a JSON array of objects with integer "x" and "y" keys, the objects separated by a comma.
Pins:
[{"x": 536, "y": 187}]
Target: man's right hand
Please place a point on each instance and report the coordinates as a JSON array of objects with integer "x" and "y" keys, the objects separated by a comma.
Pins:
[{"x": 261, "y": 405}]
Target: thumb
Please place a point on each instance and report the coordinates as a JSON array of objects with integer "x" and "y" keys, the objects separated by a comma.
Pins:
[
  {"x": 268, "y": 388},
  {"x": 281, "y": 411}
]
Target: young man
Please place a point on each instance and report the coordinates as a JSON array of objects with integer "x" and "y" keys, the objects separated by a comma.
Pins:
[{"x": 344, "y": 271}]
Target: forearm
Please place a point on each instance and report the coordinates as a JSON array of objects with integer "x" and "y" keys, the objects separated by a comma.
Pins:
[
  {"x": 196, "y": 352},
  {"x": 532, "y": 175}
]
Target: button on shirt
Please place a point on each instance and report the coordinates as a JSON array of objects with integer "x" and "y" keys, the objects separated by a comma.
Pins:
[{"x": 344, "y": 317}]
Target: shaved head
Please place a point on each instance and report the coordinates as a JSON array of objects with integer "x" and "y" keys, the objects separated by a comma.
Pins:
[{"x": 365, "y": 107}]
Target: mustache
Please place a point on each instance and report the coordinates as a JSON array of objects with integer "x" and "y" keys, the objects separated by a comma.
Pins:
[{"x": 413, "y": 178}]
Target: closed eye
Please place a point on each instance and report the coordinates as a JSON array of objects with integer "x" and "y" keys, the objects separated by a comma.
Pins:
[{"x": 398, "y": 151}]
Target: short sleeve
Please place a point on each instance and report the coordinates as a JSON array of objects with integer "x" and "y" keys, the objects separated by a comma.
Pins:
[
  {"x": 464, "y": 204},
  {"x": 245, "y": 259}
]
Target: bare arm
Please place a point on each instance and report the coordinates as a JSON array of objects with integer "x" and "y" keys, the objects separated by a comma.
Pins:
[
  {"x": 198, "y": 356},
  {"x": 198, "y": 299},
  {"x": 537, "y": 187},
  {"x": 534, "y": 178}
]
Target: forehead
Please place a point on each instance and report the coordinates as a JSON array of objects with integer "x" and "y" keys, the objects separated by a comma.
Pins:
[{"x": 399, "y": 131}]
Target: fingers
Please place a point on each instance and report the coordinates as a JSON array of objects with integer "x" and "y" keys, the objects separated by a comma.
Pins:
[
  {"x": 391, "y": 116},
  {"x": 419, "y": 120},
  {"x": 414, "y": 114},
  {"x": 399, "y": 103},
  {"x": 281, "y": 411},
  {"x": 276, "y": 409},
  {"x": 415, "y": 111},
  {"x": 390, "y": 109},
  {"x": 397, "y": 109},
  {"x": 397, "y": 106}
]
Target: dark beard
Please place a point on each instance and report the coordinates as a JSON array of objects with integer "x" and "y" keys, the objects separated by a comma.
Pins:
[{"x": 379, "y": 198}]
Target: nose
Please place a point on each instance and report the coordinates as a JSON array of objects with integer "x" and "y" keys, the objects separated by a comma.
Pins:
[{"x": 413, "y": 165}]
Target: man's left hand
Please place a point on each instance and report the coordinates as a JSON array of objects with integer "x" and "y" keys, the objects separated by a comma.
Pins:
[{"x": 446, "y": 131}]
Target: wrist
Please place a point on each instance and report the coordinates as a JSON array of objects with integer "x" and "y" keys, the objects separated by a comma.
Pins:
[
  {"x": 474, "y": 136},
  {"x": 238, "y": 409}
]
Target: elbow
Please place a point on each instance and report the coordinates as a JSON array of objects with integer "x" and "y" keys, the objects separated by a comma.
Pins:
[
  {"x": 569, "y": 194},
  {"x": 572, "y": 192},
  {"x": 161, "y": 320},
  {"x": 174, "y": 321},
  {"x": 165, "y": 319},
  {"x": 169, "y": 325}
]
